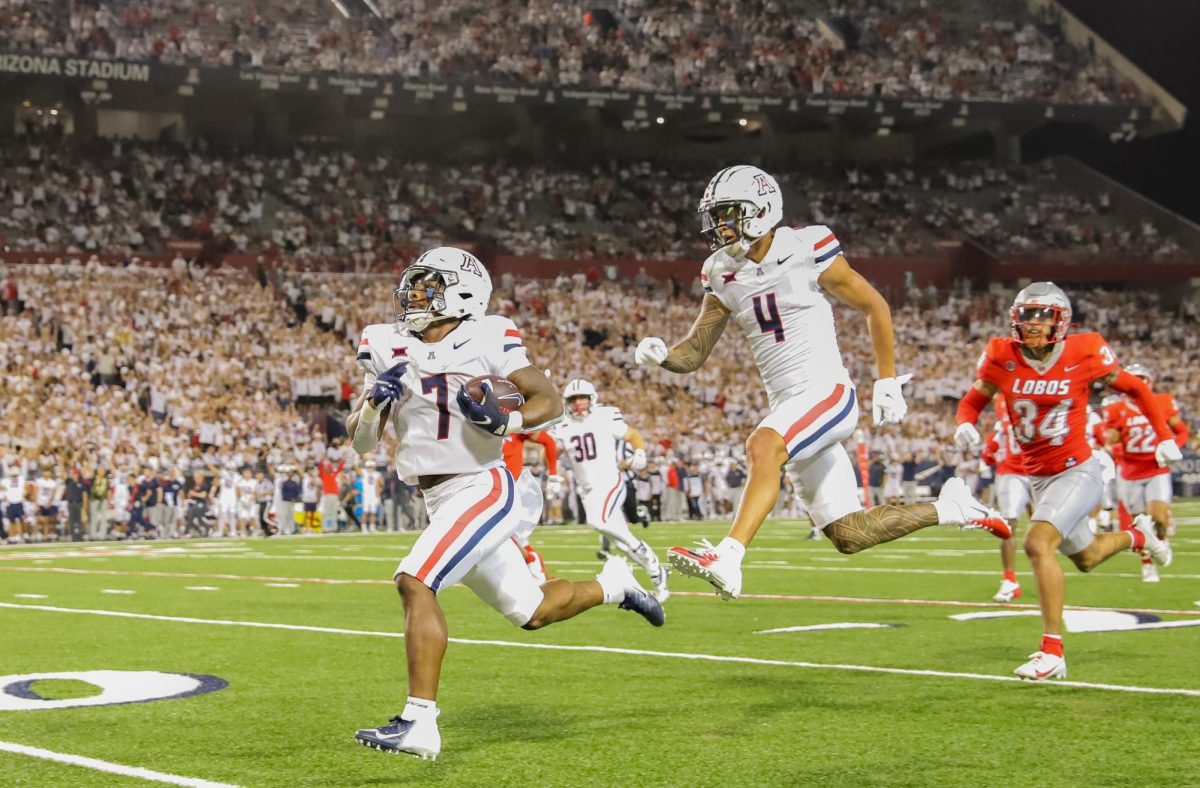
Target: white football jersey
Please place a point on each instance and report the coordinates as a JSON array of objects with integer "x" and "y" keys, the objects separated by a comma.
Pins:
[
  {"x": 370, "y": 485},
  {"x": 247, "y": 489},
  {"x": 435, "y": 437},
  {"x": 47, "y": 491},
  {"x": 14, "y": 489},
  {"x": 781, "y": 309},
  {"x": 227, "y": 490},
  {"x": 592, "y": 445}
]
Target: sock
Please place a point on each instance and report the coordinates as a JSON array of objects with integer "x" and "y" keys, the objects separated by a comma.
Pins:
[
  {"x": 949, "y": 513},
  {"x": 1052, "y": 644},
  {"x": 611, "y": 586},
  {"x": 420, "y": 710},
  {"x": 731, "y": 547},
  {"x": 1146, "y": 559},
  {"x": 1137, "y": 539},
  {"x": 1010, "y": 575},
  {"x": 1105, "y": 518}
]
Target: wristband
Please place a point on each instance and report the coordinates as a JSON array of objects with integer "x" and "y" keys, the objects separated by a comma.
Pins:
[
  {"x": 515, "y": 422},
  {"x": 368, "y": 414}
]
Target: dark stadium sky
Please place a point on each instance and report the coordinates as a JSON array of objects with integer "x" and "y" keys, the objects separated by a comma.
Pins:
[{"x": 1163, "y": 38}]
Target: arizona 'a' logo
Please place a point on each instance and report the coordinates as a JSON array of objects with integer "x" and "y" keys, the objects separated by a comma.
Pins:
[{"x": 764, "y": 186}]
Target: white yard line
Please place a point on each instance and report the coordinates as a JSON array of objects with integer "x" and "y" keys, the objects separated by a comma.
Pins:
[
  {"x": 112, "y": 768},
  {"x": 1191, "y": 693}
]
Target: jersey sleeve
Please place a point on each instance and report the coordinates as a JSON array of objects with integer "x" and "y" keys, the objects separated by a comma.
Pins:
[
  {"x": 365, "y": 361},
  {"x": 1170, "y": 407},
  {"x": 505, "y": 338},
  {"x": 820, "y": 244},
  {"x": 619, "y": 425},
  {"x": 1104, "y": 361},
  {"x": 989, "y": 368}
]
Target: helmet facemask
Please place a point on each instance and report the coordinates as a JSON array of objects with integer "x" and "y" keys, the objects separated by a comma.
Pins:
[
  {"x": 1054, "y": 320},
  {"x": 724, "y": 225},
  {"x": 430, "y": 306},
  {"x": 579, "y": 406}
]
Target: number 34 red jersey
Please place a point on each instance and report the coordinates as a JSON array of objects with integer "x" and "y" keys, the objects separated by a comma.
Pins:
[{"x": 1048, "y": 410}]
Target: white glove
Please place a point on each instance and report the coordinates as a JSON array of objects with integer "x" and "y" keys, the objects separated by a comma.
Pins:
[
  {"x": 651, "y": 352},
  {"x": 554, "y": 485},
  {"x": 1167, "y": 453},
  {"x": 639, "y": 459},
  {"x": 887, "y": 400},
  {"x": 966, "y": 436}
]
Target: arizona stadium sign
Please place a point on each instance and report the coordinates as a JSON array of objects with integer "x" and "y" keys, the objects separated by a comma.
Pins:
[{"x": 82, "y": 68}]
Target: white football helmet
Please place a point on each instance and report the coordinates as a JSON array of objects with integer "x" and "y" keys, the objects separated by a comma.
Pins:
[
  {"x": 742, "y": 199},
  {"x": 1041, "y": 301},
  {"x": 576, "y": 389},
  {"x": 1141, "y": 371},
  {"x": 454, "y": 285}
]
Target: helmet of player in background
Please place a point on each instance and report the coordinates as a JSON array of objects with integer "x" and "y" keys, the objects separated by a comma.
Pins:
[
  {"x": 1041, "y": 301},
  {"x": 740, "y": 205},
  {"x": 454, "y": 285},
  {"x": 579, "y": 397},
  {"x": 1141, "y": 371}
]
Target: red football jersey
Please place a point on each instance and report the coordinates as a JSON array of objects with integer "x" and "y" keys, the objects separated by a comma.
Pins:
[
  {"x": 1138, "y": 438},
  {"x": 1048, "y": 410},
  {"x": 1008, "y": 450},
  {"x": 513, "y": 449}
]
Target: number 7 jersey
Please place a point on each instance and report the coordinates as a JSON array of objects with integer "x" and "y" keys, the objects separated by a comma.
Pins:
[{"x": 1047, "y": 403}]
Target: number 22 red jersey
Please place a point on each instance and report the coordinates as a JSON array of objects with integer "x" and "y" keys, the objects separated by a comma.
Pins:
[
  {"x": 1048, "y": 410},
  {"x": 1138, "y": 439}
]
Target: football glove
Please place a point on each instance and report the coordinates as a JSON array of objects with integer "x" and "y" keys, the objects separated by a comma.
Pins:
[
  {"x": 554, "y": 484},
  {"x": 887, "y": 400},
  {"x": 1167, "y": 453},
  {"x": 387, "y": 386},
  {"x": 651, "y": 352},
  {"x": 639, "y": 459},
  {"x": 487, "y": 415},
  {"x": 966, "y": 436}
]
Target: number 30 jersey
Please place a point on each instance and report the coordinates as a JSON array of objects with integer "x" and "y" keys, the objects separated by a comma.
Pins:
[
  {"x": 1047, "y": 403},
  {"x": 782, "y": 310},
  {"x": 590, "y": 446},
  {"x": 435, "y": 437}
]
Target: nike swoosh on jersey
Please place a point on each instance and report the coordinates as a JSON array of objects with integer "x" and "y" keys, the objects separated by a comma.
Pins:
[
  {"x": 784, "y": 260},
  {"x": 460, "y": 344},
  {"x": 1073, "y": 366}
]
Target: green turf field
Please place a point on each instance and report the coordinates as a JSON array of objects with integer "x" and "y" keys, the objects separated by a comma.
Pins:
[{"x": 710, "y": 699}]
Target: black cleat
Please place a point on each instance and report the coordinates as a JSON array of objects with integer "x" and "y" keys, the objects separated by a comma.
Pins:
[{"x": 644, "y": 604}]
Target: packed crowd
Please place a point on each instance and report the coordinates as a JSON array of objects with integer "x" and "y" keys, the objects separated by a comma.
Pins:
[
  {"x": 146, "y": 374},
  {"x": 902, "y": 48},
  {"x": 364, "y": 211}
]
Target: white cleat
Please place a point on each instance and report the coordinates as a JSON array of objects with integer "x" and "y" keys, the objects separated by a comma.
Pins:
[
  {"x": 1009, "y": 591},
  {"x": 1150, "y": 573},
  {"x": 1043, "y": 667},
  {"x": 960, "y": 508},
  {"x": 419, "y": 739},
  {"x": 724, "y": 572},
  {"x": 660, "y": 584},
  {"x": 1159, "y": 550}
]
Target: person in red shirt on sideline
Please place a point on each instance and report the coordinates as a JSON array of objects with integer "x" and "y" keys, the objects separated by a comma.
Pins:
[
  {"x": 1046, "y": 375},
  {"x": 329, "y": 472},
  {"x": 1003, "y": 452},
  {"x": 1143, "y": 485},
  {"x": 529, "y": 491}
]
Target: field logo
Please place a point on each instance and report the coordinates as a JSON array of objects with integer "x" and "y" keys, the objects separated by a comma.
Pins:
[{"x": 117, "y": 687}]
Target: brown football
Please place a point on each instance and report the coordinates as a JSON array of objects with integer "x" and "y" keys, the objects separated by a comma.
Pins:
[{"x": 510, "y": 398}]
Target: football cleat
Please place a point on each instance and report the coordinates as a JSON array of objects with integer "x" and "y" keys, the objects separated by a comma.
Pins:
[
  {"x": 1008, "y": 592},
  {"x": 1159, "y": 550},
  {"x": 723, "y": 572},
  {"x": 659, "y": 579},
  {"x": 636, "y": 598},
  {"x": 970, "y": 513},
  {"x": 814, "y": 535},
  {"x": 1043, "y": 667},
  {"x": 1150, "y": 573},
  {"x": 419, "y": 739}
]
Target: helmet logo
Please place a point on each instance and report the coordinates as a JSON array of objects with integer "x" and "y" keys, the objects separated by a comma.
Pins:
[
  {"x": 764, "y": 186},
  {"x": 469, "y": 265}
]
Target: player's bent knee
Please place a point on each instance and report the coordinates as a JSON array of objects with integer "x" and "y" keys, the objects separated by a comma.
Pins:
[{"x": 766, "y": 447}]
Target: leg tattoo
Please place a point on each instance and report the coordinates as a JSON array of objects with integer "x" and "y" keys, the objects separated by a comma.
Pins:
[{"x": 861, "y": 530}]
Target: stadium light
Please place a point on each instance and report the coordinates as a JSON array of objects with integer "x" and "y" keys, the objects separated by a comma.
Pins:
[
  {"x": 660, "y": 120},
  {"x": 742, "y": 121},
  {"x": 341, "y": 8}
]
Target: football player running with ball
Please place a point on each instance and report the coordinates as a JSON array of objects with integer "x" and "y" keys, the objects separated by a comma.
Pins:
[
  {"x": 772, "y": 281},
  {"x": 1046, "y": 375},
  {"x": 450, "y": 445}
]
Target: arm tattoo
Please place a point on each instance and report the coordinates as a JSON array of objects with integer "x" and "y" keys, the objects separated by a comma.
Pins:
[
  {"x": 692, "y": 351},
  {"x": 860, "y": 530}
]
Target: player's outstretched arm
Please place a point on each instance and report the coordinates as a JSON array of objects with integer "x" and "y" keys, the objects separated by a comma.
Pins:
[
  {"x": 852, "y": 289},
  {"x": 690, "y": 353},
  {"x": 969, "y": 408},
  {"x": 543, "y": 402}
]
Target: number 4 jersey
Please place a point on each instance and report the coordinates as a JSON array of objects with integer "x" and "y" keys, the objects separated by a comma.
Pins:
[
  {"x": 1047, "y": 403},
  {"x": 435, "y": 438}
]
